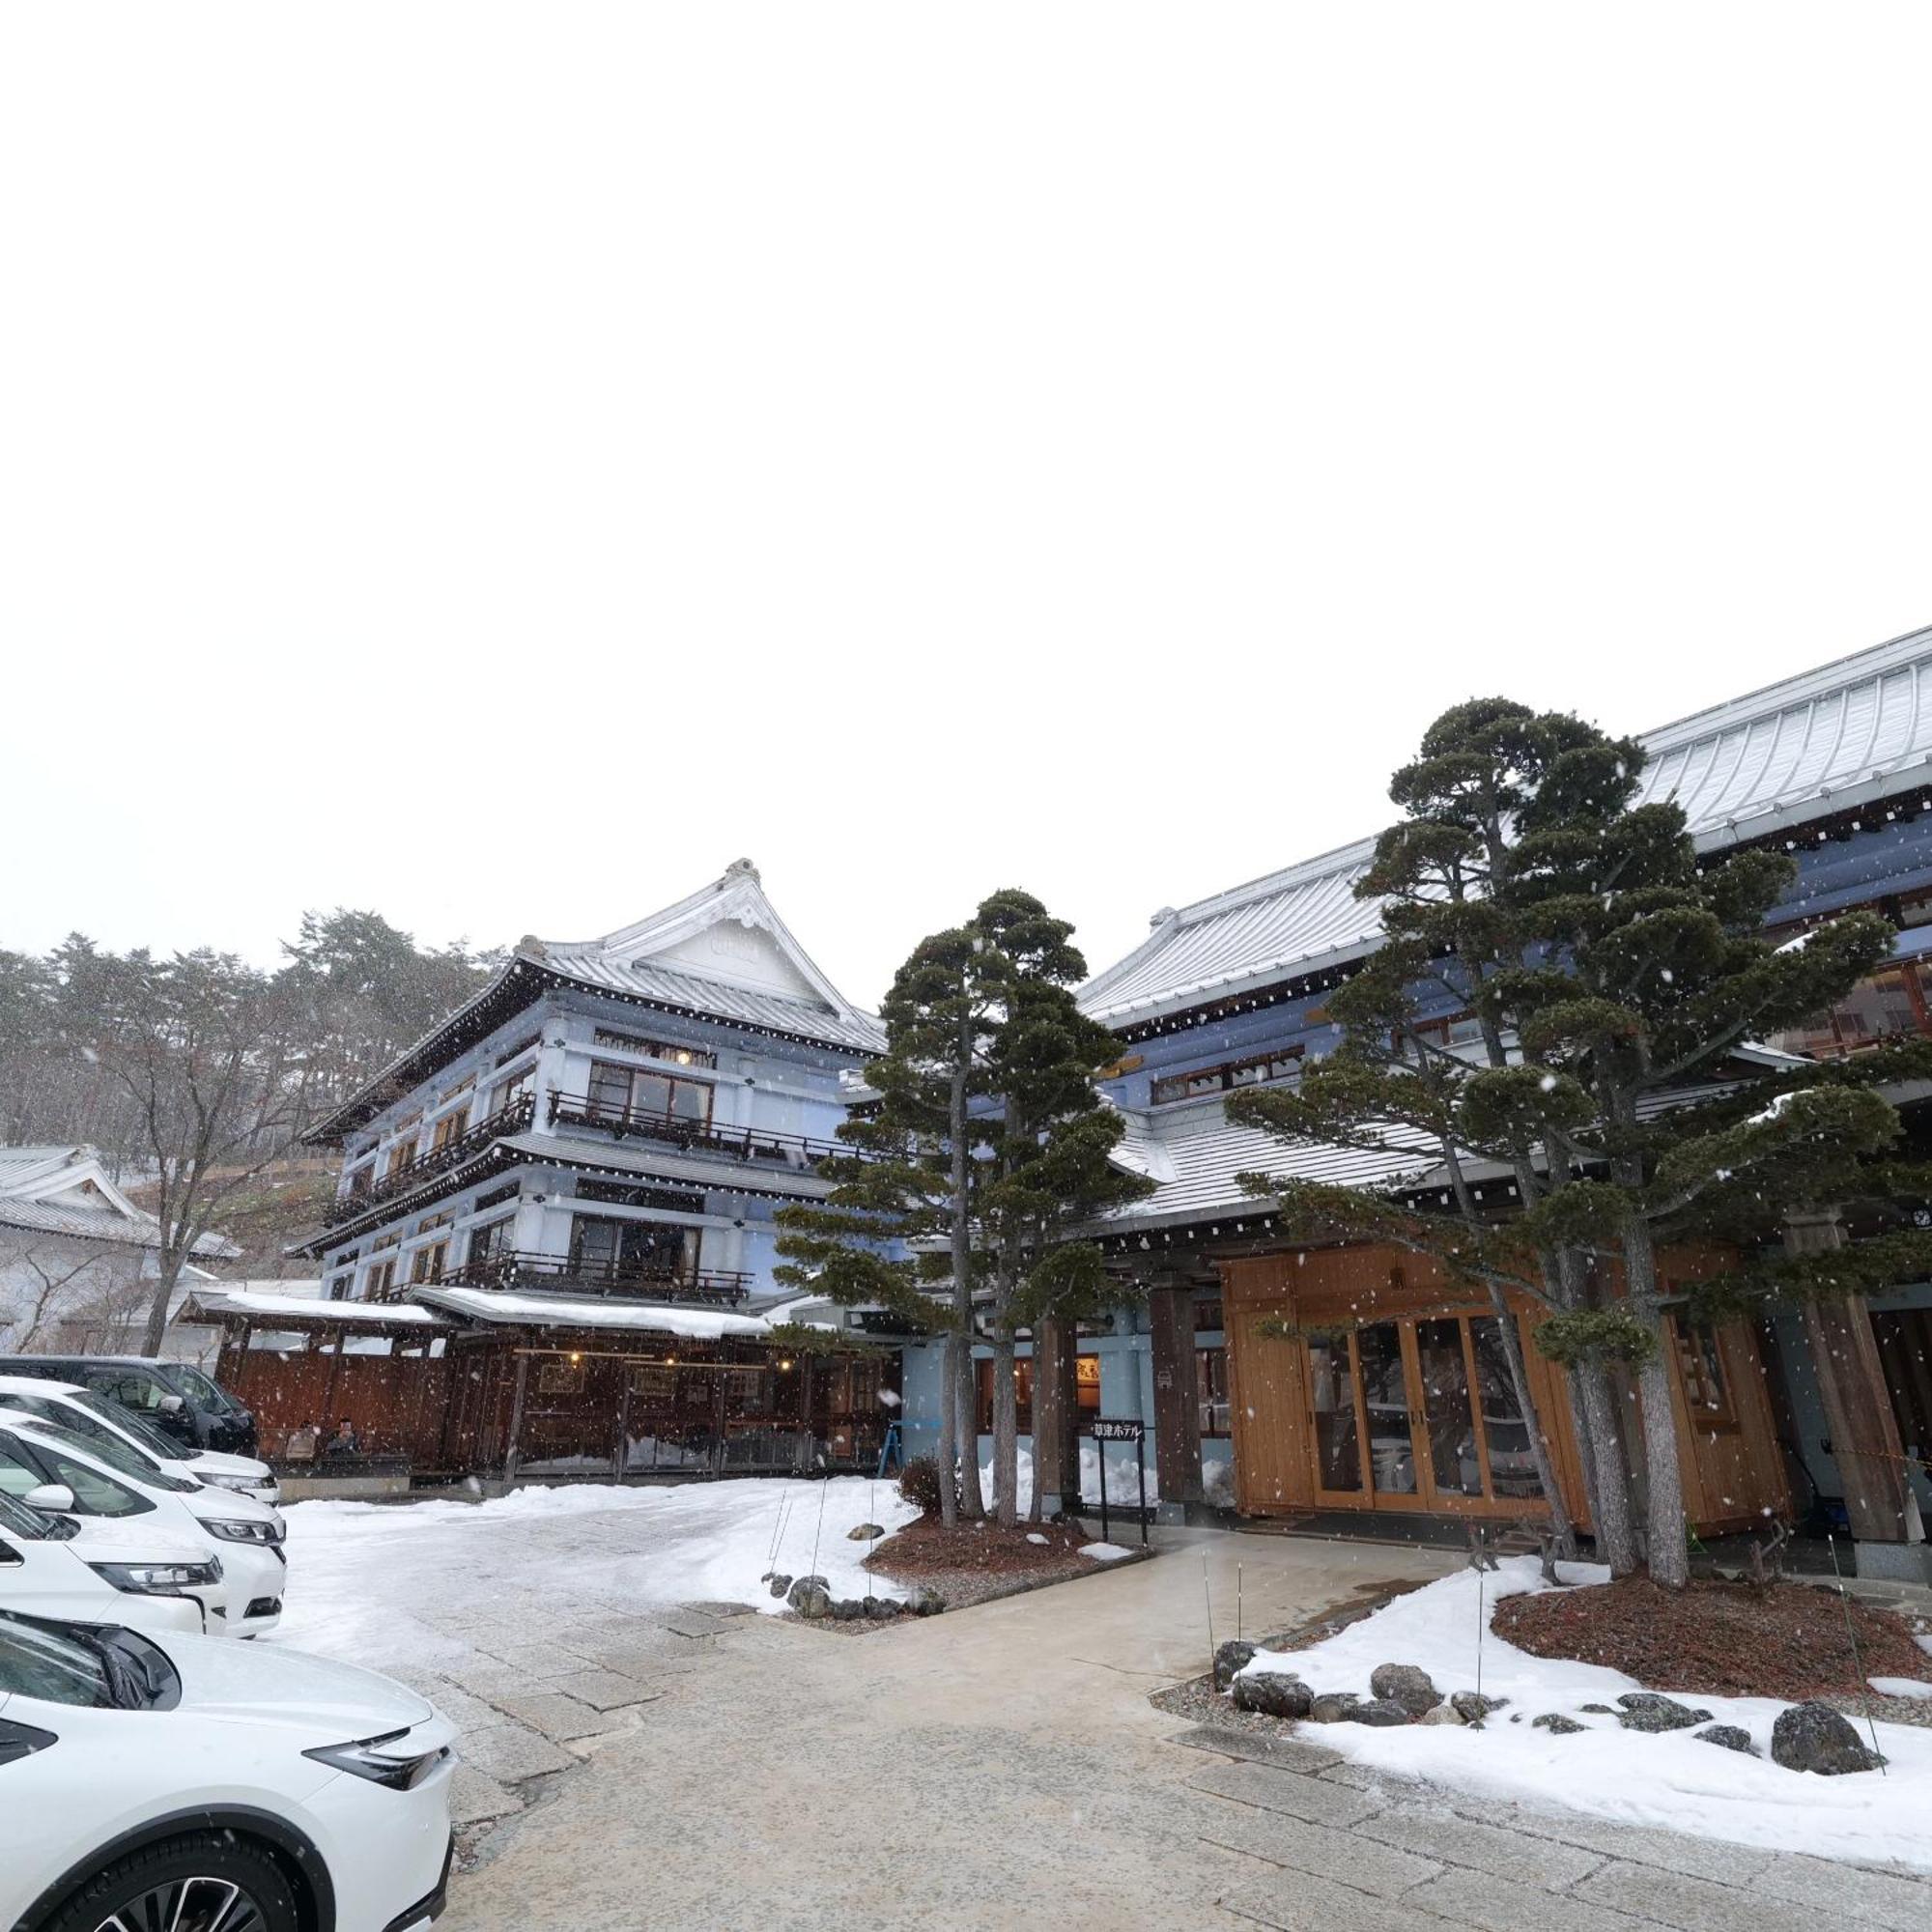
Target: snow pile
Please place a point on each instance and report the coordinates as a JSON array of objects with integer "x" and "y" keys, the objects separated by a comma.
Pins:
[
  {"x": 1122, "y": 1479},
  {"x": 1670, "y": 1780},
  {"x": 1106, "y": 1552},
  {"x": 372, "y": 1582}
]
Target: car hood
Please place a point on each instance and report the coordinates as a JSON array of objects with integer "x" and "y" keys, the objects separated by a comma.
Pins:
[
  {"x": 102, "y": 1542},
  {"x": 217, "y": 1463},
  {"x": 228, "y": 1506},
  {"x": 272, "y": 1685}
]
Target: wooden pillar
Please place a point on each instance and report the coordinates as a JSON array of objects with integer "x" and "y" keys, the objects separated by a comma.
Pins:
[
  {"x": 328, "y": 1416},
  {"x": 1056, "y": 1442},
  {"x": 1177, "y": 1404},
  {"x": 620, "y": 1456},
  {"x": 1858, "y": 1405},
  {"x": 516, "y": 1417}
]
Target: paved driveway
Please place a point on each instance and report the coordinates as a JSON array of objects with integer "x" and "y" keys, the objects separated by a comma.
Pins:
[{"x": 666, "y": 1768}]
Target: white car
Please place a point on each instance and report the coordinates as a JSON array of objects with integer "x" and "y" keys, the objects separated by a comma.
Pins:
[
  {"x": 113, "y": 1574},
  {"x": 183, "y": 1785},
  {"x": 114, "y": 1481},
  {"x": 94, "y": 1416}
]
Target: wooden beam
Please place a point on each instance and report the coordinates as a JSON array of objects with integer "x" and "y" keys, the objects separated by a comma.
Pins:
[
  {"x": 516, "y": 1418},
  {"x": 1176, "y": 1405}
]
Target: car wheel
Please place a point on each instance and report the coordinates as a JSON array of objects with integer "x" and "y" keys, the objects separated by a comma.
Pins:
[{"x": 201, "y": 1883}]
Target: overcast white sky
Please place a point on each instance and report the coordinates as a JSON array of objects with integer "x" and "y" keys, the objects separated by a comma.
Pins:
[{"x": 496, "y": 465}]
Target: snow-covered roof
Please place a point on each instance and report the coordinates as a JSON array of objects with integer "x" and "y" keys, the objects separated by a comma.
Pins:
[
  {"x": 1195, "y": 1167},
  {"x": 273, "y": 1309},
  {"x": 66, "y": 1191},
  {"x": 590, "y": 1311},
  {"x": 723, "y": 953},
  {"x": 1821, "y": 742}
]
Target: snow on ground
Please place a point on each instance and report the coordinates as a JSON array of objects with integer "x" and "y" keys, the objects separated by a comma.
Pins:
[
  {"x": 372, "y": 1583},
  {"x": 1667, "y": 1780},
  {"x": 1106, "y": 1552}
]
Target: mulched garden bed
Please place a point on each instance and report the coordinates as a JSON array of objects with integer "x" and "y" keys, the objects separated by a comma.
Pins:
[
  {"x": 977, "y": 1561},
  {"x": 1717, "y": 1640}
]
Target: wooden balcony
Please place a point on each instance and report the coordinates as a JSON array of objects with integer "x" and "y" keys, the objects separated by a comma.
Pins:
[
  {"x": 712, "y": 1287},
  {"x": 745, "y": 1144},
  {"x": 453, "y": 1152}
]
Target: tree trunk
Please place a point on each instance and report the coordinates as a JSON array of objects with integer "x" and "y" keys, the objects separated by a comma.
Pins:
[
  {"x": 158, "y": 1306},
  {"x": 1667, "y": 1547},
  {"x": 947, "y": 1457},
  {"x": 1561, "y": 1528},
  {"x": 964, "y": 1396},
  {"x": 972, "y": 1498},
  {"x": 1601, "y": 1440},
  {"x": 1006, "y": 1430}
]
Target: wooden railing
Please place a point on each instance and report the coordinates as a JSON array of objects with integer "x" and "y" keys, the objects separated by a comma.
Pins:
[
  {"x": 797, "y": 1150},
  {"x": 426, "y": 1165},
  {"x": 515, "y": 1268}
]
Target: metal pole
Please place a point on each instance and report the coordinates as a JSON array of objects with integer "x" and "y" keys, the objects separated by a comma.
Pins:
[
  {"x": 1140, "y": 1464},
  {"x": 1100, "y": 1450}
]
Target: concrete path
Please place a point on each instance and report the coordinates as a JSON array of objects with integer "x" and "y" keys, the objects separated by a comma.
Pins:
[{"x": 1002, "y": 1765}]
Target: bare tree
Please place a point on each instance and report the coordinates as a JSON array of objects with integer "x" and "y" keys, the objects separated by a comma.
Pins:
[
  {"x": 53, "y": 1286},
  {"x": 209, "y": 1054}
]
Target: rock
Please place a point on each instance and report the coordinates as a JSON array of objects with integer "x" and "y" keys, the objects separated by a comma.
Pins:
[
  {"x": 880, "y": 1608},
  {"x": 1381, "y": 1712},
  {"x": 1558, "y": 1724},
  {"x": 848, "y": 1609},
  {"x": 1406, "y": 1685},
  {"x": 1472, "y": 1707},
  {"x": 1332, "y": 1707},
  {"x": 810, "y": 1601},
  {"x": 801, "y": 1585},
  {"x": 864, "y": 1532},
  {"x": 1229, "y": 1658},
  {"x": 1732, "y": 1737},
  {"x": 1814, "y": 1737},
  {"x": 778, "y": 1581},
  {"x": 924, "y": 1603},
  {"x": 1597, "y": 1710},
  {"x": 1272, "y": 1692},
  {"x": 1650, "y": 1711},
  {"x": 1444, "y": 1714}
]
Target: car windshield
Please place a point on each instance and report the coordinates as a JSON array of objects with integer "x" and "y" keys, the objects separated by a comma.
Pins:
[
  {"x": 109, "y": 1448},
  {"x": 27, "y": 1463},
  {"x": 67, "y": 1664},
  {"x": 156, "y": 1442},
  {"x": 198, "y": 1388}
]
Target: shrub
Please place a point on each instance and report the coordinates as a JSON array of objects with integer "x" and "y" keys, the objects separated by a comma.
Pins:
[{"x": 919, "y": 1485}]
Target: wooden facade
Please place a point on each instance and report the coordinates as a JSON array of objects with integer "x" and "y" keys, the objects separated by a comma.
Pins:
[{"x": 1363, "y": 1379}]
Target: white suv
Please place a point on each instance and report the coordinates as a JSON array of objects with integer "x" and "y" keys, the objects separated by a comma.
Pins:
[
  {"x": 192, "y": 1784},
  {"x": 109, "y": 1575}
]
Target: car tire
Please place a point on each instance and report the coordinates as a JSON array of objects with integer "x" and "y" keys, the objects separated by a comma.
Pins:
[{"x": 231, "y": 1886}]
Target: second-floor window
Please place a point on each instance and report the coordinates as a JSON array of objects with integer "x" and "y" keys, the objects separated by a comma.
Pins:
[
  {"x": 511, "y": 1091},
  {"x": 427, "y": 1263},
  {"x": 381, "y": 1285},
  {"x": 449, "y": 1129},
  {"x": 1226, "y": 1076},
  {"x": 627, "y": 1092}
]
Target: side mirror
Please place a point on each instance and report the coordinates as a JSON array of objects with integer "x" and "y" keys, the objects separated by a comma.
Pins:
[
  {"x": 172, "y": 1405},
  {"x": 54, "y": 1497}
]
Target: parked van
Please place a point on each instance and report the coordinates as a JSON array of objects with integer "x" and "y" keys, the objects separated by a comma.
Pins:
[{"x": 175, "y": 1396}]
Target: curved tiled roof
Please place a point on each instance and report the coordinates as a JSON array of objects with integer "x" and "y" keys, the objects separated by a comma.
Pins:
[{"x": 1814, "y": 744}]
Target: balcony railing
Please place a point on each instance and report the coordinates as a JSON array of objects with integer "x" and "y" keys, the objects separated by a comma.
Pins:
[
  {"x": 618, "y": 1119},
  {"x": 717, "y": 1288},
  {"x": 426, "y": 1165}
]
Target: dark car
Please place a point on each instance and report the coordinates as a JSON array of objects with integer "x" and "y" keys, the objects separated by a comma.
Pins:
[{"x": 175, "y": 1396}]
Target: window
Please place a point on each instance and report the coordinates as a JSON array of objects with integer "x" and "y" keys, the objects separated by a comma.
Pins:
[
  {"x": 23, "y": 1470},
  {"x": 1207, "y": 1317},
  {"x": 655, "y": 1049},
  {"x": 665, "y": 1199},
  {"x": 1210, "y": 1388},
  {"x": 361, "y": 1179},
  {"x": 130, "y": 1387},
  {"x": 405, "y": 1149},
  {"x": 557, "y": 1374},
  {"x": 1700, "y": 1367},
  {"x": 626, "y": 1093},
  {"x": 1085, "y": 1393},
  {"x": 509, "y": 1053},
  {"x": 449, "y": 1129},
  {"x": 490, "y": 1240},
  {"x": 1284, "y": 1064},
  {"x": 1886, "y": 1006},
  {"x": 631, "y": 1253},
  {"x": 513, "y": 1090},
  {"x": 380, "y": 1284},
  {"x": 427, "y": 1263}
]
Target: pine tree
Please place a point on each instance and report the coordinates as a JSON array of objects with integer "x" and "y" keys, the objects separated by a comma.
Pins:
[
  {"x": 898, "y": 1227},
  {"x": 1050, "y": 1135}
]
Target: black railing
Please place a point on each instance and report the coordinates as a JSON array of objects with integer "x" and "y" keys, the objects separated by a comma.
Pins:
[
  {"x": 516, "y": 1268},
  {"x": 620, "y": 1119},
  {"x": 453, "y": 1152}
]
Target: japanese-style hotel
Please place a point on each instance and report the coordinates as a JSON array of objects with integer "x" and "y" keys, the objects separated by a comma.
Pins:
[{"x": 552, "y": 1249}]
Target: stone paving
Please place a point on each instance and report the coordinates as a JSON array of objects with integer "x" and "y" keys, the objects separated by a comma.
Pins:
[{"x": 683, "y": 1769}]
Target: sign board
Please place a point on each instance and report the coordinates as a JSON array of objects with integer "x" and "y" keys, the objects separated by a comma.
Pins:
[{"x": 1118, "y": 1432}]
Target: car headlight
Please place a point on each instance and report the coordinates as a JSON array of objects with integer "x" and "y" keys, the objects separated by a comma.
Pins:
[
  {"x": 366, "y": 1758},
  {"x": 159, "y": 1579},
  {"x": 246, "y": 1484},
  {"x": 231, "y": 1530}
]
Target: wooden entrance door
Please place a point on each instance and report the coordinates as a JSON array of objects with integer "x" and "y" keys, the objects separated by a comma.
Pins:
[{"x": 1418, "y": 1413}]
